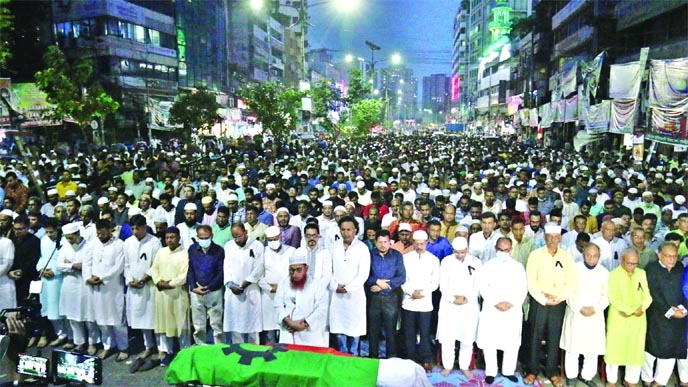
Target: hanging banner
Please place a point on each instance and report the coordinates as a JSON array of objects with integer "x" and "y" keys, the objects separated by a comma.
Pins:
[
  {"x": 568, "y": 80},
  {"x": 624, "y": 79},
  {"x": 638, "y": 147},
  {"x": 571, "y": 109},
  {"x": 533, "y": 117},
  {"x": 597, "y": 117},
  {"x": 547, "y": 115},
  {"x": 590, "y": 71},
  {"x": 558, "y": 107},
  {"x": 668, "y": 126},
  {"x": 668, "y": 84},
  {"x": 622, "y": 116}
]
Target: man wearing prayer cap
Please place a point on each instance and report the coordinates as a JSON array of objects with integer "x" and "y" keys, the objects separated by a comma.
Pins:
[
  {"x": 289, "y": 235},
  {"x": 277, "y": 255},
  {"x": 422, "y": 278},
  {"x": 171, "y": 307},
  {"x": 551, "y": 277},
  {"x": 187, "y": 228},
  {"x": 49, "y": 206},
  {"x": 300, "y": 306}
]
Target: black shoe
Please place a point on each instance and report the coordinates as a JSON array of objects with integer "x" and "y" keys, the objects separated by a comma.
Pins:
[
  {"x": 511, "y": 378},
  {"x": 489, "y": 379},
  {"x": 149, "y": 365},
  {"x": 588, "y": 383},
  {"x": 136, "y": 365}
]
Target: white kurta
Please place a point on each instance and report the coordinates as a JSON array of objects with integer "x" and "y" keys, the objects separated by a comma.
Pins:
[
  {"x": 75, "y": 297},
  {"x": 187, "y": 235},
  {"x": 310, "y": 304},
  {"x": 351, "y": 267},
  {"x": 8, "y": 298},
  {"x": 610, "y": 252},
  {"x": 51, "y": 287},
  {"x": 107, "y": 263},
  {"x": 422, "y": 273},
  {"x": 322, "y": 266},
  {"x": 243, "y": 312},
  {"x": 457, "y": 278},
  {"x": 580, "y": 334},
  {"x": 138, "y": 258},
  {"x": 501, "y": 279},
  {"x": 276, "y": 269}
]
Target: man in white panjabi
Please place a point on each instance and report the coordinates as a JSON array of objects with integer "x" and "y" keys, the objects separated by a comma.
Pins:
[
  {"x": 300, "y": 306},
  {"x": 459, "y": 308},
  {"x": 103, "y": 272},
  {"x": 75, "y": 297},
  {"x": 503, "y": 287},
  {"x": 244, "y": 266},
  {"x": 139, "y": 251},
  {"x": 583, "y": 332},
  {"x": 277, "y": 257},
  {"x": 351, "y": 267}
]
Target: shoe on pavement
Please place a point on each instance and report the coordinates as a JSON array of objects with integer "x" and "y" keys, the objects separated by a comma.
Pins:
[
  {"x": 588, "y": 383},
  {"x": 57, "y": 342},
  {"x": 42, "y": 343},
  {"x": 145, "y": 354},
  {"x": 166, "y": 360},
  {"x": 571, "y": 382},
  {"x": 511, "y": 378},
  {"x": 92, "y": 350},
  {"x": 136, "y": 365},
  {"x": 489, "y": 379},
  {"x": 122, "y": 356},
  {"x": 149, "y": 365}
]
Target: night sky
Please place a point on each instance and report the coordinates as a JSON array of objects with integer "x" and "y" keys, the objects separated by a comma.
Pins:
[{"x": 420, "y": 30}]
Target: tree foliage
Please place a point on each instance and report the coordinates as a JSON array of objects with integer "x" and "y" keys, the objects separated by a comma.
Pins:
[
  {"x": 73, "y": 89},
  {"x": 6, "y": 27},
  {"x": 276, "y": 106},
  {"x": 194, "y": 111},
  {"x": 358, "y": 89},
  {"x": 363, "y": 115},
  {"x": 326, "y": 99}
]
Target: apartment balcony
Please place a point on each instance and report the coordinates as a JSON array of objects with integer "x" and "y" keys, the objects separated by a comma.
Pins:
[
  {"x": 631, "y": 13},
  {"x": 573, "y": 41},
  {"x": 569, "y": 10}
]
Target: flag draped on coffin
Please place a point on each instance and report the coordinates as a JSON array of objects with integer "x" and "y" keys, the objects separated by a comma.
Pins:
[{"x": 668, "y": 99}]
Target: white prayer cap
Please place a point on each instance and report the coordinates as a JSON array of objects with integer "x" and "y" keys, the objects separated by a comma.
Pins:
[
  {"x": 190, "y": 207},
  {"x": 405, "y": 227},
  {"x": 633, "y": 190},
  {"x": 206, "y": 200},
  {"x": 420, "y": 235},
  {"x": 298, "y": 259},
  {"x": 86, "y": 198},
  {"x": 129, "y": 193},
  {"x": 149, "y": 180},
  {"x": 282, "y": 209},
  {"x": 459, "y": 243},
  {"x": 272, "y": 231},
  {"x": 113, "y": 189},
  {"x": 453, "y": 182},
  {"x": 71, "y": 228},
  {"x": 360, "y": 184},
  {"x": 461, "y": 228},
  {"x": 340, "y": 208},
  {"x": 52, "y": 192},
  {"x": 133, "y": 211},
  {"x": 269, "y": 185},
  {"x": 82, "y": 185},
  {"x": 102, "y": 201},
  {"x": 383, "y": 184},
  {"x": 618, "y": 221},
  {"x": 70, "y": 193},
  {"x": 7, "y": 212},
  {"x": 552, "y": 228},
  {"x": 160, "y": 219},
  {"x": 232, "y": 198},
  {"x": 648, "y": 193},
  {"x": 679, "y": 199},
  {"x": 425, "y": 190},
  {"x": 327, "y": 203}
]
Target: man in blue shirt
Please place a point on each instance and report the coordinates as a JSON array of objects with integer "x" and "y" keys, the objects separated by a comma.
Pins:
[
  {"x": 387, "y": 274},
  {"x": 205, "y": 280}
]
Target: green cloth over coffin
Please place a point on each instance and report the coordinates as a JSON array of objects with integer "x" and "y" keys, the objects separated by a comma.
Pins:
[{"x": 257, "y": 365}]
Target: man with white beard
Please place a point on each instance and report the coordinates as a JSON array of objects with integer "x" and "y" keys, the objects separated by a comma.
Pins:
[
  {"x": 459, "y": 308},
  {"x": 103, "y": 271},
  {"x": 583, "y": 330},
  {"x": 139, "y": 251},
  {"x": 503, "y": 287},
  {"x": 300, "y": 306},
  {"x": 75, "y": 297},
  {"x": 243, "y": 268},
  {"x": 276, "y": 268}
]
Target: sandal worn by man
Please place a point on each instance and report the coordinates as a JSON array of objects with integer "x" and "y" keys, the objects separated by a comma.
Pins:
[
  {"x": 556, "y": 381},
  {"x": 529, "y": 379}
]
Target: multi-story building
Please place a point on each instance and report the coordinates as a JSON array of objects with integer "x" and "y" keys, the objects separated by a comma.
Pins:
[
  {"x": 134, "y": 46},
  {"x": 460, "y": 63},
  {"x": 436, "y": 95},
  {"x": 400, "y": 88}
]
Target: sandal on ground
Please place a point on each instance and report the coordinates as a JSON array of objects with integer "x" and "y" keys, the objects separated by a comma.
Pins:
[
  {"x": 529, "y": 379},
  {"x": 556, "y": 381}
]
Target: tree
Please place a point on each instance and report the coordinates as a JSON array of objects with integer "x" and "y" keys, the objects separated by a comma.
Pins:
[
  {"x": 326, "y": 99},
  {"x": 6, "y": 27},
  {"x": 194, "y": 111},
  {"x": 276, "y": 106},
  {"x": 358, "y": 87},
  {"x": 364, "y": 114},
  {"x": 74, "y": 91}
]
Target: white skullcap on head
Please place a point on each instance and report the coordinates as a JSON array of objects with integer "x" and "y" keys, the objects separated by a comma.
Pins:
[
  {"x": 679, "y": 199},
  {"x": 360, "y": 184},
  {"x": 102, "y": 201},
  {"x": 232, "y": 198},
  {"x": 272, "y": 231},
  {"x": 269, "y": 185},
  {"x": 190, "y": 207},
  {"x": 552, "y": 228},
  {"x": 70, "y": 193},
  {"x": 420, "y": 235},
  {"x": 133, "y": 211},
  {"x": 282, "y": 209},
  {"x": 52, "y": 191},
  {"x": 71, "y": 228},
  {"x": 206, "y": 200},
  {"x": 327, "y": 203},
  {"x": 461, "y": 228},
  {"x": 340, "y": 208},
  {"x": 459, "y": 243},
  {"x": 86, "y": 198},
  {"x": 405, "y": 227},
  {"x": 633, "y": 190},
  {"x": 298, "y": 259}
]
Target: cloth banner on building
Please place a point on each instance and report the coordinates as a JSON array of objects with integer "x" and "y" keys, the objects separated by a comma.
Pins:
[
  {"x": 668, "y": 84},
  {"x": 624, "y": 78},
  {"x": 567, "y": 85},
  {"x": 571, "y": 109},
  {"x": 622, "y": 116},
  {"x": 590, "y": 72},
  {"x": 524, "y": 116},
  {"x": 547, "y": 115},
  {"x": 160, "y": 114},
  {"x": 597, "y": 117},
  {"x": 559, "y": 108},
  {"x": 533, "y": 117},
  {"x": 668, "y": 126},
  {"x": 638, "y": 147}
]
